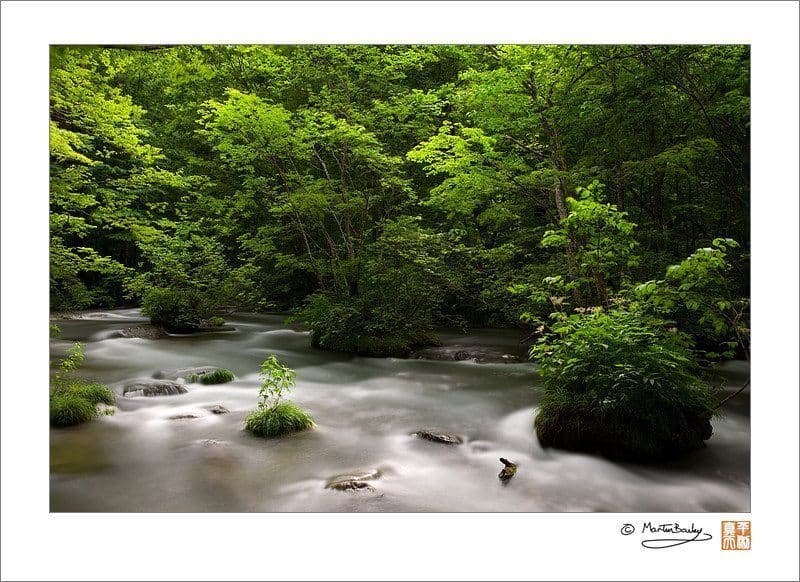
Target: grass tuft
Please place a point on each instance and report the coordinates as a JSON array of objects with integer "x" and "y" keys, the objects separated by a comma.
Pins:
[
  {"x": 94, "y": 393},
  {"x": 285, "y": 418},
  {"x": 68, "y": 409}
]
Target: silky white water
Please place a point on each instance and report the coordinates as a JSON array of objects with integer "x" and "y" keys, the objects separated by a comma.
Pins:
[{"x": 366, "y": 409}]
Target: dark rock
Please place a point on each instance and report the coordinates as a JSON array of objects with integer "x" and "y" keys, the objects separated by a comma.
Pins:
[
  {"x": 142, "y": 331},
  {"x": 183, "y": 416},
  {"x": 150, "y": 387},
  {"x": 350, "y": 486},
  {"x": 457, "y": 353},
  {"x": 621, "y": 436},
  {"x": 354, "y": 481},
  {"x": 184, "y": 372},
  {"x": 508, "y": 471},
  {"x": 218, "y": 409},
  {"x": 436, "y": 436}
]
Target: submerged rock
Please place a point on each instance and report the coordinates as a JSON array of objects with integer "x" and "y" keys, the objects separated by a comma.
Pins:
[
  {"x": 458, "y": 353},
  {"x": 212, "y": 443},
  {"x": 218, "y": 409},
  {"x": 436, "y": 436},
  {"x": 186, "y": 416},
  {"x": 185, "y": 372},
  {"x": 353, "y": 481},
  {"x": 149, "y": 387},
  {"x": 144, "y": 331}
]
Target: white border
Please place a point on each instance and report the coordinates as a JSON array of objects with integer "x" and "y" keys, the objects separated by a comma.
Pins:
[{"x": 36, "y": 545}]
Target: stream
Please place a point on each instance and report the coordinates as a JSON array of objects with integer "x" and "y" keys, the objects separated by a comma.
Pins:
[{"x": 366, "y": 409}]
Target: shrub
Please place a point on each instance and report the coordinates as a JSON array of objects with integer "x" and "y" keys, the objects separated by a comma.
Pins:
[
  {"x": 217, "y": 321},
  {"x": 68, "y": 409},
  {"x": 621, "y": 384},
  {"x": 273, "y": 417},
  {"x": 176, "y": 310},
  {"x": 286, "y": 417},
  {"x": 356, "y": 328},
  {"x": 219, "y": 376}
]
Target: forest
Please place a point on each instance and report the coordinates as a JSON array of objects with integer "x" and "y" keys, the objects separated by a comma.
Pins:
[{"x": 594, "y": 197}]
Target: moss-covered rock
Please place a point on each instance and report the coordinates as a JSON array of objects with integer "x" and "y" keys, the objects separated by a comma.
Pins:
[
  {"x": 282, "y": 419},
  {"x": 218, "y": 376},
  {"x": 621, "y": 436}
]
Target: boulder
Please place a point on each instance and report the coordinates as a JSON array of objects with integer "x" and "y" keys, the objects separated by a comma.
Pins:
[
  {"x": 437, "y": 436},
  {"x": 620, "y": 436},
  {"x": 149, "y": 387}
]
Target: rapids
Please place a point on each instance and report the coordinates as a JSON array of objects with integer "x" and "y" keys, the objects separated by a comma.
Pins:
[{"x": 366, "y": 409}]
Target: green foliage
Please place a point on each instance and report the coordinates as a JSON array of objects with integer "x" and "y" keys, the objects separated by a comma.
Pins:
[
  {"x": 73, "y": 359},
  {"x": 699, "y": 294},
  {"x": 628, "y": 382},
  {"x": 73, "y": 400},
  {"x": 275, "y": 417},
  {"x": 276, "y": 379},
  {"x": 93, "y": 393},
  {"x": 281, "y": 419},
  {"x": 68, "y": 409},
  {"x": 200, "y": 178},
  {"x": 55, "y": 331},
  {"x": 177, "y": 310},
  {"x": 358, "y": 327},
  {"x": 219, "y": 376},
  {"x": 601, "y": 240}
]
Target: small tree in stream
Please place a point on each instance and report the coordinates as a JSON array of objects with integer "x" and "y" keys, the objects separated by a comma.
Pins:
[{"x": 275, "y": 417}]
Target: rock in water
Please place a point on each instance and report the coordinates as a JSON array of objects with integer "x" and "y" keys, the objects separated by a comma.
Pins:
[
  {"x": 186, "y": 416},
  {"x": 144, "y": 331},
  {"x": 150, "y": 387},
  {"x": 459, "y": 353},
  {"x": 436, "y": 436},
  {"x": 353, "y": 481},
  {"x": 508, "y": 471},
  {"x": 218, "y": 409}
]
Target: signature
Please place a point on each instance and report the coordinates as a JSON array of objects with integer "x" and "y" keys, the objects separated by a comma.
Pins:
[{"x": 677, "y": 534}]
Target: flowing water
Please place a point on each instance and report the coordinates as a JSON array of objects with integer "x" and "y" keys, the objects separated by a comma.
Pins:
[{"x": 366, "y": 410}]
